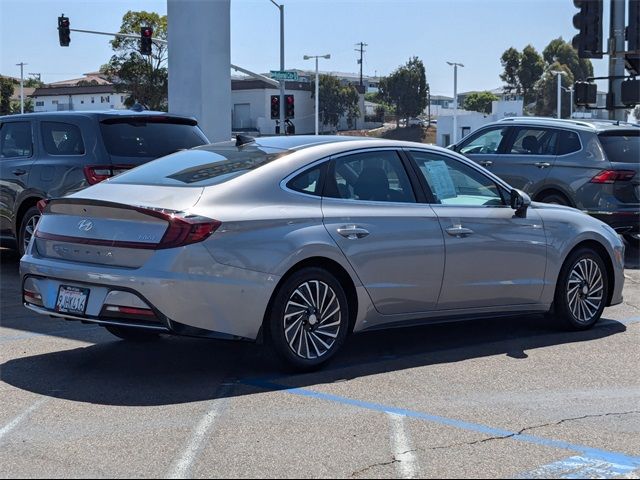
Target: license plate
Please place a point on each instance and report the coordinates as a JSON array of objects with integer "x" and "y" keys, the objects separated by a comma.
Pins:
[{"x": 72, "y": 299}]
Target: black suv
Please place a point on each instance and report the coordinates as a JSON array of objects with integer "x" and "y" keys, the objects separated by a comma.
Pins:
[
  {"x": 52, "y": 154},
  {"x": 592, "y": 165}
]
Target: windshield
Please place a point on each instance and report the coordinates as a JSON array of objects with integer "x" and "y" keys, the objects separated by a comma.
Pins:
[
  {"x": 150, "y": 139},
  {"x": 622, "y": 146},
  {"x": 200, "y": 167}
]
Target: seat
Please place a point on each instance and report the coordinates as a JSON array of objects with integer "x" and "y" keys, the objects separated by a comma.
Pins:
[
  {"x": 372, "y": 184},
  {"x": 531, "y": 144}
]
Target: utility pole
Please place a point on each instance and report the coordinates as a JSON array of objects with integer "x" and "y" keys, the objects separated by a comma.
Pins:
[
  {"x": 360, "y": 61},
  {"x": 21, "y": 65},
  {"x": 616, "y": 62}
]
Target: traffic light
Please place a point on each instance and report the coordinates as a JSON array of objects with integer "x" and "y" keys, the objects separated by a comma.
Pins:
[
  {"x": 290, "y": 110},
  {"x": 632, "y": 60},
  {"x": 146, "y": 35},
  {"x": 588, "y": 21},
  {"x": 275, "y": 107},
  {"x": 630, "y": 92},
  {"x": 586, "y": 93},
  {"x": 64, "y": 33}
]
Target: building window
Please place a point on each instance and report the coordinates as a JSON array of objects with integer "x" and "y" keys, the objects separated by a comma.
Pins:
[
  {"x": 54, "y": 102},
  {"x": 93, "y": 100},
  {"x": 40, "y": 104},
  {"x": 81, "y": 101}
]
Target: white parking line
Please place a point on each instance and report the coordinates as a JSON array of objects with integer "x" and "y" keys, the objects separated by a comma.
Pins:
[
  {"x": 402, "y": 449},
  {"x": 9, "y": 427},
  {"x": 182, "y": 467}
]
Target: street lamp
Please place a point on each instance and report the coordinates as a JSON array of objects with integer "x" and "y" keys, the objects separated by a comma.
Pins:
[
  {"x": 307, "y": 57},
  {"x": 282, "y": 82},
  {"x": 455, "y": 98},
  {"x": 559, "y": 73},
  {"x": 570, "y": 90}
]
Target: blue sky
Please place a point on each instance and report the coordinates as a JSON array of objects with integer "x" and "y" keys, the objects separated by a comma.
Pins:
[{"x": 472, "y": 32}]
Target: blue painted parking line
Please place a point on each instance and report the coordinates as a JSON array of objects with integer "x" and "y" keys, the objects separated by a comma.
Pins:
[
  {"x": 613, "y": 458},
  {"x": 580, "y": 467}
]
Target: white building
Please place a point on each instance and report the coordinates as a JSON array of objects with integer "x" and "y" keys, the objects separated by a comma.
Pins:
[
  {"x": 469, "y": 121},
  {"x": 90, "y": 97}
]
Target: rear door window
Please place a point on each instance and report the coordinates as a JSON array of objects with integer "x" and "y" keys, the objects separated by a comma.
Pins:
[
  {"x": 533, "y": 141},
  {"x": 149, "y": 138},
  {"x": 16, "y": 140},
  {"x": 61, "y": 138},
  {"x": 621, "y": 146},
  {"x": 309, "y": 181},
  {"x": 568, "y": 142}
]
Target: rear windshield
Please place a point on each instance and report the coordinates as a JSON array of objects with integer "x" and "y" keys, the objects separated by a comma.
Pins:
[
  {"x": 200, "y": 167},
  {"x": 139, "y": 138},
  {"x": 621, "y": 146}
]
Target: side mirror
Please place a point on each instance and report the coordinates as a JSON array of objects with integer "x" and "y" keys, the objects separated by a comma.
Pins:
[{"x": 520, "y": 201}]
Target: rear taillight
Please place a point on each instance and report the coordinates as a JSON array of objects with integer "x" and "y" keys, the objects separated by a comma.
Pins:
[
  {"x": 185, "y": 230},
  {"x": 97, "y": 173},
  {"x": 611, "y": 176},
  {"x": 42, "y": 205}
]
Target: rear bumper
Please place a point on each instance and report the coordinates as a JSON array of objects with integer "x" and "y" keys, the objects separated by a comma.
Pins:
[
  {"x": 623, "y": 221},
  {"x": 204, "y": 298}
]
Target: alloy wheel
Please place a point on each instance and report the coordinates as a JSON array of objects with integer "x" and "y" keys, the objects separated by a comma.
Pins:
[
  {"x": 312, "y": 319},
  {"x": 585, "y": 290},
  {"x": 29, "y": 230}
]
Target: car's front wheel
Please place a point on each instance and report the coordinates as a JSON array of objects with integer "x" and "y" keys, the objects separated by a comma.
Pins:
[
  {"x": 309, "y": 319},
  {"x": 132, "y": 334},
  {"x": 582, "y": 289}
]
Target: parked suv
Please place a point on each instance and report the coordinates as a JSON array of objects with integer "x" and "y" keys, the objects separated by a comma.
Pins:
[
  {"x": 592, "y": 165},
  {"x": 52, "y": 154}
]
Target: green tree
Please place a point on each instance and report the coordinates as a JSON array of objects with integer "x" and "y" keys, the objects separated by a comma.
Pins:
[
  {"x": 510, "y": 61},
  {"x": 547, "y": 88},
  {"x": 530, "y": 70},
  {"x": 337, "y": 100},
  {"x": 562, "y": 52},
  {"x": 479, "y": 102},
  {"x": 33, "y": 82},
  {"x": 406, "y": 89},
  {"x": 143, "y": 78},
  {"x": 6, "y": 90}
]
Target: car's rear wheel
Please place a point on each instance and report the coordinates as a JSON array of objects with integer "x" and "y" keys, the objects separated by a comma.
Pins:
[
  {"x": 132, "y": 334},
  {"x": 309, "y": 319},
  {"x": 632, "y": 239},
  {"x": 27, "y": 228},
  {"x": 554, "y": 198},
  {"x": 581, "y": 292}
]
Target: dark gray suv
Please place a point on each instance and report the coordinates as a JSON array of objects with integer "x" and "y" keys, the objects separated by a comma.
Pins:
[
  {"x": 591, "y": 165},
  {"x": 52, "y": 154}
]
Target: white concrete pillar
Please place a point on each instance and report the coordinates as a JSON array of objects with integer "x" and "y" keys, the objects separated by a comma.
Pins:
[{"x": 199, "y": 34}]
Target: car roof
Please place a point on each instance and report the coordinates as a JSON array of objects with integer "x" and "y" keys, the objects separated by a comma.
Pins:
[
  {"x": 101, "y": 114},
  {"x": 593, "y": 125}
]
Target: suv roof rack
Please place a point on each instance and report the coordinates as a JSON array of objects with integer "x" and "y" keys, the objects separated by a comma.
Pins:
[{"x": 565, "y": 121}]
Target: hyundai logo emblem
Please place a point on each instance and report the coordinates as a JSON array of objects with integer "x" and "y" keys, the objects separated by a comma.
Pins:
[{"x": 85, "y": 225}]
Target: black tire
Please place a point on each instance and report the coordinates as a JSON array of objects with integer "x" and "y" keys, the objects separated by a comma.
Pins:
[
  {"x": 132, "y": 334},
  {"x": 298, "y": 335},
  {"x": 633, "y": 239},
  {"x": 576, "y": 297},
  {"x": 555, "y": 198},
  {"x": 29, "y": 220}
]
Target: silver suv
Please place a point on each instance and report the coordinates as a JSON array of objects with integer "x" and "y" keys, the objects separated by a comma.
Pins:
[{"x": 592, "y": 165}]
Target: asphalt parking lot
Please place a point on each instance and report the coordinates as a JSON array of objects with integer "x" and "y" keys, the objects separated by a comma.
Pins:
[{"x": 498, "y": 398}]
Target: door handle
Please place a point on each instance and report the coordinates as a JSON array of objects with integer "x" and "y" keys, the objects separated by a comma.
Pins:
[
  {"x": 459, "y": 231},
  {"x": 352, "y": 232},
  {"x": 542, "y": 164},
  {"x": 19, "y": 171},
  {"x": 486, "y": 163}
]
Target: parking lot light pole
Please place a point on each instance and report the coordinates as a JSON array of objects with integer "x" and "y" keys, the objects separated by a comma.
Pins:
[
  {"x": 282, "y": 82},
  {"x": 559, "y": 73},
  {"x": 307, "y": 57},
  {"x": 455, "y": 99}
]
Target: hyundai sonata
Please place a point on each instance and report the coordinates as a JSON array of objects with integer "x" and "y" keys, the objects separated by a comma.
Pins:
[{"x": 301, "y": 241}]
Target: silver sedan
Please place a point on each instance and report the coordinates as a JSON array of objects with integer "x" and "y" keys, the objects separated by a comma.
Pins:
[{"x": 300, "y": 241}]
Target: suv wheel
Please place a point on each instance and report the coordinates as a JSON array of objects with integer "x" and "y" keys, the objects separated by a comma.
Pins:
[
  {"x": 27, "y": 228},
  {"x": 554, "y": 198},
  {"x": 309, "y": 319},
  {"x": 581, "y": 291},
  {"x": 633, "y": 239}
]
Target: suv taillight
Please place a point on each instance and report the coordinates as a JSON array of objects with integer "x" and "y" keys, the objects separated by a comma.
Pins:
[
  {"x": 611, "y": 176},
  {"x": 97, "y": 173}
]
